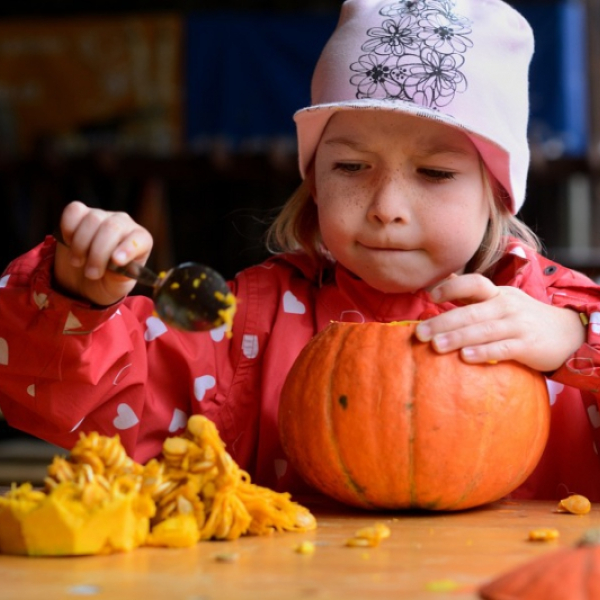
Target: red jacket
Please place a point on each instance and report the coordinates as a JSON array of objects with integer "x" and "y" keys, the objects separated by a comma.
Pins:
[{"x": 67, "y": 367}]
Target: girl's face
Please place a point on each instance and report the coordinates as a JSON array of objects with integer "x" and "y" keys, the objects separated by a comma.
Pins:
[{"x": 401, "y": 200}]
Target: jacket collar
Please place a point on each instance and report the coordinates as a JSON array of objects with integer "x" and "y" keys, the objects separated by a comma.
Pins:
[{"x": 513, "y": 269}]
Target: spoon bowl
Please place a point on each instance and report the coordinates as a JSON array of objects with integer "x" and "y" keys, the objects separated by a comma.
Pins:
[
  {"x": 190, "y": 296},
  {"x": 194, "y": 297}
]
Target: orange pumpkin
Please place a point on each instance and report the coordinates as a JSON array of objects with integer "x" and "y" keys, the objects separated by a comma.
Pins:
[
  {"x": 374, "y": 418},
  {"x": 566, "y": 574}
]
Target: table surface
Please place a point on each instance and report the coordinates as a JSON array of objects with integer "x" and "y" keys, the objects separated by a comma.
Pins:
[{"x": 428, "y": 556}]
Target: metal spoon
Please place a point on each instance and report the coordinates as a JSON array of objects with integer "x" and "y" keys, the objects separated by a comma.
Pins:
[{"x": 190, "y": 296}]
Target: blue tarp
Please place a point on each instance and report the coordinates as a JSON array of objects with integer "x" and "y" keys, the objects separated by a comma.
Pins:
[
  {"x": 247, "y": 73},
  {"x": 559, "y": 79}
]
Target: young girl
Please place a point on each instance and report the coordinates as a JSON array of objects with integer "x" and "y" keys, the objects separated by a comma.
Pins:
[{"x": 414, "y": 160}]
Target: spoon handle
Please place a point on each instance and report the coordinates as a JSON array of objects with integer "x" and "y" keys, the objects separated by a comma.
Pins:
[
  {"x": 133, "y": 270},
  {"x": 136, "y": 271}
]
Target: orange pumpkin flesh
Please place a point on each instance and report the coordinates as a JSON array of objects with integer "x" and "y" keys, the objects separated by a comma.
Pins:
[{"x": 374, "y": 418}]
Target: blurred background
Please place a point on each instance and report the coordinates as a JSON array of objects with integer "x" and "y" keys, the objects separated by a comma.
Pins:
[{"x": 180, "y": 113}]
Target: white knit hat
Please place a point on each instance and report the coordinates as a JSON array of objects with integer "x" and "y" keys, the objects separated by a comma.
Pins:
[{"x": 462, "y": 62}]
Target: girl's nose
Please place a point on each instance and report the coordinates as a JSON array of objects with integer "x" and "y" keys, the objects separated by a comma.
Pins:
[{"x": 390, "y": 202}]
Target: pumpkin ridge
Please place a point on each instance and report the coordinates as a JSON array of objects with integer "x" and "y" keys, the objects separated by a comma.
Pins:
[
  {"x": 411, "y": 429},
  {"x": 539, "y": 437},
  {"x": 478, "y": 466},
  {"x": 358, "y": 490}
]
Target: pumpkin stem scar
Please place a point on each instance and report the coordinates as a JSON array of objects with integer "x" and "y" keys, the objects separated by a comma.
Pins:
[{"x": 343, "y": 400}]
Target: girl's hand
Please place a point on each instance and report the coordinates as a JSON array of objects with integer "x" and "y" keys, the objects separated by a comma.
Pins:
[
  {"x": 93, "y": 238},
  {"x": 501, "y": 323}
]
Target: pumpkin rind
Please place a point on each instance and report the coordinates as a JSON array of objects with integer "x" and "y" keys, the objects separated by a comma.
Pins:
[
  {"x": 567, "y": 574},
  {"x": 374, "y": 418}
]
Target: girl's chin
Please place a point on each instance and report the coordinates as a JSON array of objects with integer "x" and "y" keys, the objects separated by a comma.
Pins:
[
  {"x": 393, "y": 287},
  {"x": 399, "y": 286},
  {"x": 409, "y": 282}
]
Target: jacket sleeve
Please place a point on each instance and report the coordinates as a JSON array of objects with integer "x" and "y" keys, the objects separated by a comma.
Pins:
[
  {"x": 67, "y": 366},
  {"x": 570, "y": 289}
]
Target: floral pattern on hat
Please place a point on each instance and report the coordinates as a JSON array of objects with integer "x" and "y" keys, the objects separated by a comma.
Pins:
[{"x": 416, "y": 54}]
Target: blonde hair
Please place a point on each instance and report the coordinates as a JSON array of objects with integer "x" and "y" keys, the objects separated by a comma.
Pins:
[
  {"x": 296, "y": 227},
  {"x": 502, "y": 225}
]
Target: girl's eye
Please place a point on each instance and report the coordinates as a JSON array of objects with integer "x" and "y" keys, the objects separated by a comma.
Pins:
[
  {"x": 348, "y": 167},
  {"x": 436, "y": 174}
]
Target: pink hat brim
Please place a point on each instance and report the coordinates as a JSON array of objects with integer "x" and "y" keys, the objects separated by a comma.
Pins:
[{"x": 311, "y": 123}]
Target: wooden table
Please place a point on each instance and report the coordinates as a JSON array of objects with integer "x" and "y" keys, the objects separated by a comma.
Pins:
[{"x": 428, "y": 556}]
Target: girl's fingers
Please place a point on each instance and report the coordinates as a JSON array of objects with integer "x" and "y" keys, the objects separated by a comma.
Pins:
[
  {"x": 482, "y": 315},
  {"x": 118, "y": 239},
  {"x": 466, "y": 289},
  {"x": 135, "y": 246},
  {"x": 508, "y": 325},
  {"x": 477, "y": 298},
  {"x": 489, "y": 353},
  {"x": 72, "y": 215},
  {"x": 71, "y": 218},
  {"x": 96, "y": 237},
  {"x": 495, "y": 331},
  {"x": 89, "y": 246}
]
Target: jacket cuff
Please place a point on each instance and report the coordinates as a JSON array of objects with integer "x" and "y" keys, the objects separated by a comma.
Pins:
[
  {"x": 582, "y": 368},
  {"x": 72, "y": 316}
]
